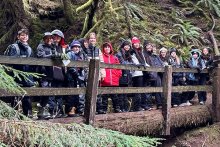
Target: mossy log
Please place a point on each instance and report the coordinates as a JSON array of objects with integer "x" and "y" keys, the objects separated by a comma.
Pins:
[{"x": 147, "y": 122}]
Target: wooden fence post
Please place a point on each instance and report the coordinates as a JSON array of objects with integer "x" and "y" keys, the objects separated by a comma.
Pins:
[
  {"x": 167, "y": 90},
  {"x": 91, "y": 91},
  {"x": 216, "y": 94}
]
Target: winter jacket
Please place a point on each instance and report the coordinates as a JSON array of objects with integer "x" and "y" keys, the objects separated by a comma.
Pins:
[
  {"x": 73, "y": 72},
  {"x": 18, "y": 49},
  {"x": 95, "y": 53},
  {"x": 207, "y": 60},
  {"x": 154, "y": 61},
  {"x": 125, "y": 58},
  {"x": 112, "y": 75},
  {"x": 195, "y": 64},
  {"x": 45, "y": 51}
]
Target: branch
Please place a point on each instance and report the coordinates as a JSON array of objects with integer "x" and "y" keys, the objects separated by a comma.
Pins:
[
  {"x": 84, "y": 6},
  {"x": 212, "y": 37}
]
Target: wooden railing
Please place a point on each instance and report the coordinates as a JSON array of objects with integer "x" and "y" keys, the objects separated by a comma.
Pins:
[{"x": 92, "y": 90}]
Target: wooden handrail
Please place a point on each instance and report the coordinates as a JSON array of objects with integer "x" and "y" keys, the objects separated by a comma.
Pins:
[{"x": 58, "y": 62}]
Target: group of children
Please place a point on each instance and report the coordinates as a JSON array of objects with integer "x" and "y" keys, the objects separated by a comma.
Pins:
[{"x": 130, "y": 52}]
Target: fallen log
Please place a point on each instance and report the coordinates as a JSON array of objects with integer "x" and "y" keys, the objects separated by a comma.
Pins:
[{"x": 147, "y": 122}]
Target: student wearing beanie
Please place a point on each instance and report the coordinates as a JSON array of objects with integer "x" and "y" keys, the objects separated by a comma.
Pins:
[
  {"x": 124, "y": 56},
  {"x": 76, "y": 76},
  {"x": 163, "y": 55},
  {"x": 140, "y": 100}
]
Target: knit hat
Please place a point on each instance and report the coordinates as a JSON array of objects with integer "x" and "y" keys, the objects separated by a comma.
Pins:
[
  {"x": 163, "y": 49},
  {"x": 75, "y": 43},
  {"x": 172, "y": 50},
  {"x": 135, "y": 40}
]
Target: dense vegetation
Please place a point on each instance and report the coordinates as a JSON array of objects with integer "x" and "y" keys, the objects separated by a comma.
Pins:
[{"x": 171, "y": 23}]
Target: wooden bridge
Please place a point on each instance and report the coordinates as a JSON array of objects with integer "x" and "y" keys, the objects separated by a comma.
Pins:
[{"x": 144, "y": 122}]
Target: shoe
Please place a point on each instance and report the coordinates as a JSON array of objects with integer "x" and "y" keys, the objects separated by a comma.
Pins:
[
  {"x": 101, "y": 112},
  {"x": 175, "y": 105},
  {"x": 43, "y": 112},
  {"x": 72, "y": 112},
  {"x": 118, "y": 110},
  {"x": 188, "y": 103},
  {"x": 147, "y": 108},
  {"x": 202, "y": 103},
  {"x": 183, "y": 105},
  {"x": 139, "y": 109},
  {"x": 159, "y": 107}
]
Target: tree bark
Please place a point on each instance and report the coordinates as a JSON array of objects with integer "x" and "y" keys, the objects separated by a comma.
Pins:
[
  {"x": 18, "y": 19},
  {"x": 147, "y": 122},
  {"x": 68, "y": 11}
]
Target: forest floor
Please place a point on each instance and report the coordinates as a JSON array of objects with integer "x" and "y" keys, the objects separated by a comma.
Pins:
[
  {"x": 206, "y": 136},
  {"x": 201, "y": 137}
]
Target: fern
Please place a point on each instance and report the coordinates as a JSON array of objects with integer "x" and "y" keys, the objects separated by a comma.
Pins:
[
  {"x": 212, "y": 5},
  {"x": 186, "y": 33}
]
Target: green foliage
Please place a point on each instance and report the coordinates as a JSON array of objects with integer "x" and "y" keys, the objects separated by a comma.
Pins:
[
  {"x": 185, "y": 53},
  {"x": 8, "y": 113},
  {"x": 8, "y": 83},
  {"x": 41, "y": 134},
  {"x": 187, "y": 34},
  {"x": 212, "y": 5},
  {"x": 135, "y": 11}
]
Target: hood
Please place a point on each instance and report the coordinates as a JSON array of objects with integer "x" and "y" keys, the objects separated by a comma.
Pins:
[
  {"x": 195, "y": 51},
  {"x": 111, "y": 49}
]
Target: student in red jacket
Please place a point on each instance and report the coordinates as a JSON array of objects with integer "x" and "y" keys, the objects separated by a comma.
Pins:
[{"x": 111, "y": 80}]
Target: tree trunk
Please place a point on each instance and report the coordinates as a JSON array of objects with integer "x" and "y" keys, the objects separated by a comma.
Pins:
[
  {"x": 88, "y": 24},
  {"x": 147, "y": 122},
  {"x": 68, "y": 11},
  {"x": 15, "y": 20}
]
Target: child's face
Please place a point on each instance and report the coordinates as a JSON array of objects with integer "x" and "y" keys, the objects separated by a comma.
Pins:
[
  {"x": 107, "y": 49},
  {"x": 86, "y": 44},
  {"x": 163, "y": 53},
  {"x": 149, "y": 47},
  {"x": 173, "y": 54},
  {"x": 205, "y": 51},
  {"x": 23, "y": 37},
  {"x": 56, "y": 38},
  {"x": 75, "y": 49},
  {"x": 195, "y": 55},
  {"x": 136, "y": 45},
  {"x": 48, "y": 40},
  {"x": 126, "y": 47},
  {"x": 92, "y": 39}
]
